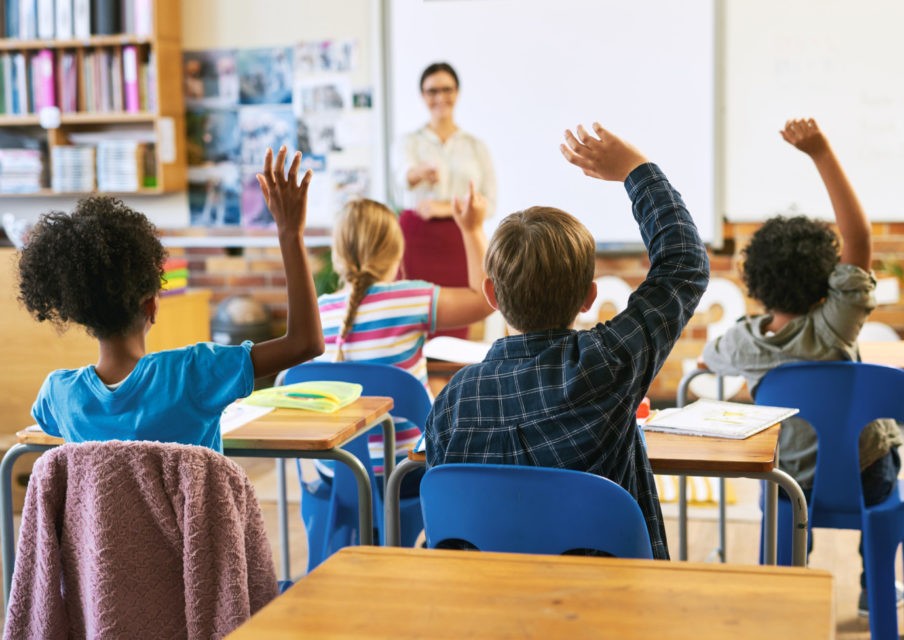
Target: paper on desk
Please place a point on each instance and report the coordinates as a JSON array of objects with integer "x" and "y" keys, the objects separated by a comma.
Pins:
[
  {"x": 719, "y": 419},
  {"x": 456, "y": 350},
  {"x": 238, "y": 414}
]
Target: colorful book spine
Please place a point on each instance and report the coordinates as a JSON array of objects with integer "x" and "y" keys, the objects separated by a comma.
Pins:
[
  {"x": 68, "y": 83},
  {"x": 28, "y": 23},
  {"x": 45, "y": 94},
  {"x": 20, "y": 88},
  {"x": 130, "y": 78},
  {"x": 12, "y": 18}
]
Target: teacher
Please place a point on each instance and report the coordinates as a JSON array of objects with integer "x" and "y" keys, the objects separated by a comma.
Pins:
[{"x": 431, "y": 166}]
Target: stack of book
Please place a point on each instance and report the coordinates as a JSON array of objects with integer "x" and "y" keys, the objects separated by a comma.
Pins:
[
  {"x": 120, "y": 165},
  {"x": 67, "y": 19},
  {"x": 21, "y": 170},
  {"x": 175, "y": 276},
  {"x": 72, "y": 168}
]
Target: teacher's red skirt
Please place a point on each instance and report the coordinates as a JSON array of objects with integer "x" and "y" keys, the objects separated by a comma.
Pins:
[{"x": 434, "y": 252}]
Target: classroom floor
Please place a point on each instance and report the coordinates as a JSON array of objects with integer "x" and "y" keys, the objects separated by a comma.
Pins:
[{"x": 834, "y": 551}]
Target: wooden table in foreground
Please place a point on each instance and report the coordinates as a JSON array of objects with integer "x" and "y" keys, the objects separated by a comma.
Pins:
[
  {"x": 281, "y": 434},
  {"x": 753, "y": 457},
  {"x": 385, "y": 592}
]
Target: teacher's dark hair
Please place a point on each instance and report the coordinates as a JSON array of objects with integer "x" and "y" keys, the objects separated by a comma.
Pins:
[{"x": 438, "y": 67}]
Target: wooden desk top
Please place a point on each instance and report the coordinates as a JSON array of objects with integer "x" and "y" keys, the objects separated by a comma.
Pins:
[
  {"x": 887, "y": 353},
  {"x": 677, "y": 454},
  {"x": 389, "y": 592},
  {"x": 286, "y": 428}
]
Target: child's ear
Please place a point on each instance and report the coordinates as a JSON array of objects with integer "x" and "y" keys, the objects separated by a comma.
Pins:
[
  {"x": 489, "y": 291},
  {"x": 591, "y": 297},
  {"x": 150, "y": 307}
]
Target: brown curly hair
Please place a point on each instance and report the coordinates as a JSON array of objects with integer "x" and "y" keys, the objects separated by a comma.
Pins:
[{"x": 93, "y": 267}]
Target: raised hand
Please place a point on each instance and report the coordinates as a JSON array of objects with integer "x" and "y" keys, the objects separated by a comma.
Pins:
[
  {"x": 805, "y": 134},
  {"x": 285, "y": 197},
  {"x": 469, "y": 212},
  {"x": 604, "y": 156}
]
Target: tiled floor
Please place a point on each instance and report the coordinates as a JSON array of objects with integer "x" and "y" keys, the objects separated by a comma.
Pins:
[{"x": 835, "y": 551}]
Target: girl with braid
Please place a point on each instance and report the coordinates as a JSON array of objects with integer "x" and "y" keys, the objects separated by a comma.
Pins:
[{"x": 376, "y": 318}]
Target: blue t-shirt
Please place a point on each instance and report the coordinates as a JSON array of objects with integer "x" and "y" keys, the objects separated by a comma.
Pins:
[{"x": 170, "y": 396}]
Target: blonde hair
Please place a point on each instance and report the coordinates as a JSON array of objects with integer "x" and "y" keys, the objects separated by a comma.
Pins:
[
  {"x": 367, "y": 244},
  {"x": 541, "y": 261}
]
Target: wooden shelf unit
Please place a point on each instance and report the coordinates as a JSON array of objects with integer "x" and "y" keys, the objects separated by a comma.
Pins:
[{"x": 166, "y": 121}]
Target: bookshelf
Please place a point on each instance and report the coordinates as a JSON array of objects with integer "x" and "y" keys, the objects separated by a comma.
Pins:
[{"x": 103, "y": 111}]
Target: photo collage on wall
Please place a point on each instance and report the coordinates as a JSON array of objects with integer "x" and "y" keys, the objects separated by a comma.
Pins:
[{"x": 239, "y": 102}]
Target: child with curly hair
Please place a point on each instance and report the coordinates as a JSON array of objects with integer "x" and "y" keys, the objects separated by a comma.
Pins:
[
  {"x": 101, "y": 267},
  {"x": 816, "y": 298}
]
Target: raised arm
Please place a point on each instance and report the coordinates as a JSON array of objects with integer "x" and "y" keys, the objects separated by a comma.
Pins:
[
  {"x": 459, "y": 306},
  {"x": 288, "y": 202},
  {"x": 856, "y": 243},
  {"x": 679, "y": 269}
]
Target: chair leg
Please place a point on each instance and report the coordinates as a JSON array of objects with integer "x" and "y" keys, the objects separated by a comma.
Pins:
[{"x": 879, "y": 549}]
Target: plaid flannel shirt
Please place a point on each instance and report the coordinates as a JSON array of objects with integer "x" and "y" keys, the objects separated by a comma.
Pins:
[{"x": 568, "y": 399}]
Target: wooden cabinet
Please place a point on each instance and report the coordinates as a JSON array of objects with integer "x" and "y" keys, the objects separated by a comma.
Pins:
[
  {"x": 29, "y": 350},
  {"x": 124, "y": 90}
]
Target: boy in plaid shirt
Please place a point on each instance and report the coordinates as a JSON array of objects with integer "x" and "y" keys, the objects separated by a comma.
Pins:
[{"x": 548, "y": 395}]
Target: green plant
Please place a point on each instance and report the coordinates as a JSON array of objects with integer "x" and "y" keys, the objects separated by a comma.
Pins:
[{"x": 326, "y": 280}]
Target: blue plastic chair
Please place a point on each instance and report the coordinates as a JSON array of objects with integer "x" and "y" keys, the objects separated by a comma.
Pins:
[
  {"x": 330, "y": 510},
  {"x": 838, "y": 399},
  {"x": 522, "y": 509}
]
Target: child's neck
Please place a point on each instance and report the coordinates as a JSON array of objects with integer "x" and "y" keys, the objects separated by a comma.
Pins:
[
  {"x": 118, "y": 356},
  {"x": 779, "y": 320}
]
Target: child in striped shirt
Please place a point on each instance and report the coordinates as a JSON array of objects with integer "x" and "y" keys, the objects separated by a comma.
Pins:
[{"x": 376, "y": 318}]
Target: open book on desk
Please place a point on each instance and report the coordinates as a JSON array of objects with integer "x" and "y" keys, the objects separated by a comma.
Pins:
[
  {"x": 718, "y": 419},
  {"x": 456, "y": 350}
]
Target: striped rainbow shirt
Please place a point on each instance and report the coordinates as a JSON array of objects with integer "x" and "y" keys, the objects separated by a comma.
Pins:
[{"x": 390, "y": 327}]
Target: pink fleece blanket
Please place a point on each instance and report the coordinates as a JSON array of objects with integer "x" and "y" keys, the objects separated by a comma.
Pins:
[{"x": 138, "y": 540}]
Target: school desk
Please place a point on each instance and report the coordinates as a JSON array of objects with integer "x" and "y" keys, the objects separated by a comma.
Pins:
[
  {"x": 385, "y": 592},
  {"x": 753, "y": 457},
  {"x": 888, "y": 353},
  {"x": 281, "y": 434}
]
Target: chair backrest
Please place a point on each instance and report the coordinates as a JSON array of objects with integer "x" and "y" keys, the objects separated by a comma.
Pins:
[
  {"x": 531, "y": 510},
  {"x": 149, "y": 535},
  {"x": 838, "y": 399},
  {"x": 409, "y": 396}
]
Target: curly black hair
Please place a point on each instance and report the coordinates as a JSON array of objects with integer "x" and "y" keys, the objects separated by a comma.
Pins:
[
  {"x": 94, "y": 266},
  {"x": 788, "y": 262}
]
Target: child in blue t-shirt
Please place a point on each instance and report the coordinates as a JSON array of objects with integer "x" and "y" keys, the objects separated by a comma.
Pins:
[{"x": 101, "y": 267}]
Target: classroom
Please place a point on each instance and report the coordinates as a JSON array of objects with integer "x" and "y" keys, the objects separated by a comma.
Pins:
[{"x": 171, "y": 105}]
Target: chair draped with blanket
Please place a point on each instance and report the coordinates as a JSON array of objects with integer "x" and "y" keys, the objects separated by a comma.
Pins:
[
  {"x": 838, "y": 399},
  {"x": 518, "y": 509},
  {"x": 138, "y": 539}
]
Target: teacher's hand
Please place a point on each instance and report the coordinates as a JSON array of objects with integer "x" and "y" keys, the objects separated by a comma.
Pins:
[
  {"x": 423, "y": 173},
  {"x": 470, "y": 212}
]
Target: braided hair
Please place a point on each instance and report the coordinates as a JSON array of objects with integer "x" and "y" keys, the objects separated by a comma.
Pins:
[{"x": 367, "y": 245}]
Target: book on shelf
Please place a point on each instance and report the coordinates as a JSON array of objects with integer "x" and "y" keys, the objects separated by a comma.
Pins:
[
  {"x": 6, "y": 62},
  {"x": 144, "y": 16},
  {"x": 44, "y": 94},
  {"x": 20, "y": 84},
  {"x": 68, "y": 83},
  {"x": 46, "y": 19},
  {"x": 718, "y": 419},
  {"x": 21, "y": 170},
  {"x": 28, "y": 26},
  {"x": 105, "y": 17},
  {"x": 130, "y": 78},
  {"x": 11, "y": 18},
  {"x": 63, "y": 19},
  {"x": 81, "y": 18}
]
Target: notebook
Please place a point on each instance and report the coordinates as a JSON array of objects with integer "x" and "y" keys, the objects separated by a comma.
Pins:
[{"x": 718, "y": 419}]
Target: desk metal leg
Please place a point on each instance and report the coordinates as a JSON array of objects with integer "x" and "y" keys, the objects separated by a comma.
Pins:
[
  {"x": 391, "y": 523},
  {"x": 7, "y": 536},
  {"x": 800, "y": 515},
  {"x": 389, "y": 446},
  {"x": 282, "y": 512}
]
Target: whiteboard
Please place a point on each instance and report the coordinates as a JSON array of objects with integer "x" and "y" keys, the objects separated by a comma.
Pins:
[
  {"x": 841, "y": 62},
  {"x": 529, "y": 69}
]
